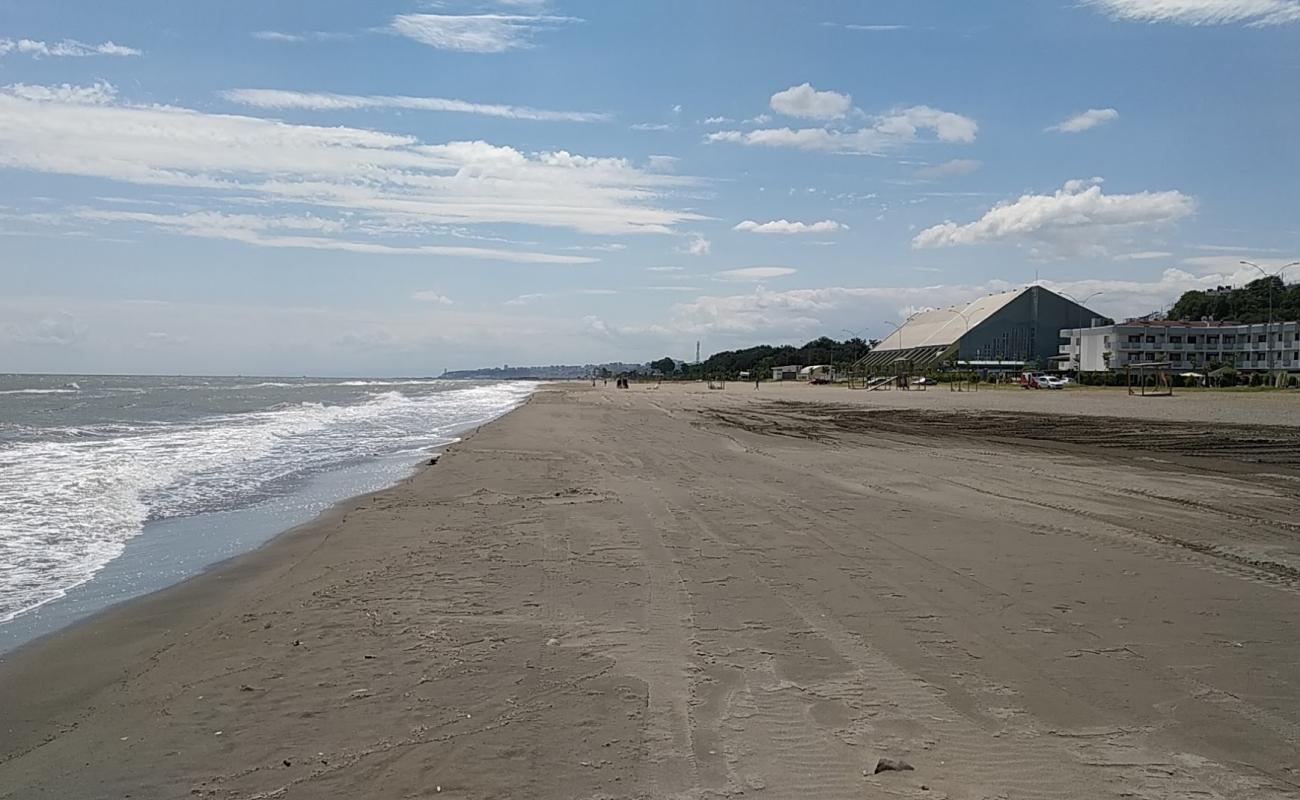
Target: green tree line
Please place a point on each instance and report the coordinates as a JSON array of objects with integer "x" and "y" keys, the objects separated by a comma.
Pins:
[
  {"x": 1248, "y": 303},
  {"x": 760, "y": 360}
]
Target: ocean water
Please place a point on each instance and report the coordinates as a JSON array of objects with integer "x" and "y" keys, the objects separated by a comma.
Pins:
[{"x": 89, "y": 463}]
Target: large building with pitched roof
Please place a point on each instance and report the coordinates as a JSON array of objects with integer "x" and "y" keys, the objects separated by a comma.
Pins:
[{"x": 1001, "y": 331}]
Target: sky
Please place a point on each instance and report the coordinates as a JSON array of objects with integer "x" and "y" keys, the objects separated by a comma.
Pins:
[{"x": 400, "y": 187}]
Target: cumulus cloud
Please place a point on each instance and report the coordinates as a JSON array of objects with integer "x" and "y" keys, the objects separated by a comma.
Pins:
[
  {"x": 782, "y": 226},
  {"x": 697, "y": 245},
  {"x": 1086, "y": 121},
  {"x": 755, "y": 273},
  {"x": 372, "y": 179},
  {"x": 1255, "y": 13},
  {"x": 806, "y": 102},
  {"x": 327, "y": 101},
  {"x": 717, "y": 120},
  {"x": 67, "y": 48},
  {"x": 475, "y": 33},
  {"x": 887, "y": 131},
  {"x": 1077, "y": 213},
  {"x": 948, "y": 169},
  {"x": 430, "y": 296}
]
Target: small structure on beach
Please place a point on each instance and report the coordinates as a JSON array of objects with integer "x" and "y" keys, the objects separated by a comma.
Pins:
[
  {"x": 790, "y": 372},
  {"x": 818, "y": 373},
  {"x": 1149, "y": 378}
]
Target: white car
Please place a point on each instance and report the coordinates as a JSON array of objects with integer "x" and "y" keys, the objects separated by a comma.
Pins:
[{"x": 1050, "y": 382}]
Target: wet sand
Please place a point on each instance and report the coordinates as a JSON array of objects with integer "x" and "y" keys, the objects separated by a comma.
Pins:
[{"x": 673, "y": 592}]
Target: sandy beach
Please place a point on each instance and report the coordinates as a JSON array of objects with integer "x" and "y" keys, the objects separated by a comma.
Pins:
[{"x": 671, "y": 592}]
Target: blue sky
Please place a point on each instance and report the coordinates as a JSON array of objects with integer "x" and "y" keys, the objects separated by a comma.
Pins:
[{"x": 403, "y": 187}]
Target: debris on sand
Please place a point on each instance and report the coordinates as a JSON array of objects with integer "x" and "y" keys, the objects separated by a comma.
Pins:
[{"x": 891, "y": 765}]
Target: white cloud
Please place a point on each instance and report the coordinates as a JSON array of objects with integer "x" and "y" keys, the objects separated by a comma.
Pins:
[
  {"x": 309, "y": 36},
  {"x": 67, "y": 48},
  {"x": 662, "y": 163},
  {"x": 875, "y": 28},
  {"x": 760, "y": 119},
  {"x": 755, "y": 273},
  {"x": 768, "y": 315},
  {"x": 326, "y": 101},
  {"x": 1142, "y": 255},
  {"x": 1086, "y": 121},
  {"x": 781, "y": 226},
  {"x": 948, "y": 169},
  {"x": 677, "y": 109},
  {"x": 716, "y": 120},
  {"x": 430, "y": 296},
  {"x": 1077, "y": 214},
  {"x": 1256, "y": 13},
  {"x": 887, "y": 131},
  {"x": 527, "y": 299},
  {"x": 651, "y": 126},
  {"x": 60, "y": 329},
  {"x": 475, "y": 33},
  {"x": 665, "y": 269},
  {"x": 697, "y": 245},
  {"x": 806, "y": 102},
  {"x": 378, "y": 179},
  {"x": 272, "y": 232},
  {"x": 96, "y": 94}
]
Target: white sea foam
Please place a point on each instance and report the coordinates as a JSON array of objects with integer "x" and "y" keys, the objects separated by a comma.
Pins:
[{"x": 68, "y": 506}]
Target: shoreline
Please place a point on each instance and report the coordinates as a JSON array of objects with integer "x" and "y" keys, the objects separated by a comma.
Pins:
[
  {"x": 660, "y": 592},
  {"x": 73, "y": 618}
]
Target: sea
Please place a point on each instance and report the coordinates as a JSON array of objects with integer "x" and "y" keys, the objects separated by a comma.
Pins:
[{"x": 115, "y": 486}]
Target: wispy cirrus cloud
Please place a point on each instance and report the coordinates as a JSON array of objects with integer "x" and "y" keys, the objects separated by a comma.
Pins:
[
  {"x": 788, "y": 228},
  {"x": 1255, "y": 13},
  {"x": 858, "y": 26},
  {"x": 380, "y": 184},
  {"x": 1086, "y": 120},
  {"x": 307, "y": 36},
  {"x": 948, "y": 169},
  {"x": 64, "y": 48},
  {"x": 755, "y": 273},
  {"x": 328, "y": 101},
  {"x": 291, "y": 232},
  {"x": 476, "y": 33},
  {"x": 1079, "y": 217}
]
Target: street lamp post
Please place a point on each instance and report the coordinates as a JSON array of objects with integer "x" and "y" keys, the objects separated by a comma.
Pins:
[{"x": 1268, "y": 329}]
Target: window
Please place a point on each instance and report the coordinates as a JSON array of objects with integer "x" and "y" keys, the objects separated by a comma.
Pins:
[
  {"x": 1175, "y": 340},
  {"x": 1151, "y": 340},
  {"x": 1191, "y": 340}
]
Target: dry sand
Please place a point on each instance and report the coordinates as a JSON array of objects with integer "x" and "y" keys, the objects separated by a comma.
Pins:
[{"x": 674, "y": 592}]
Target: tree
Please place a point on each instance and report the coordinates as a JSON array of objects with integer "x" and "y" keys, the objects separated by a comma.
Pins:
[{"x": 666, "y": 365}]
